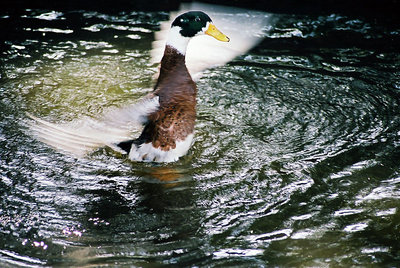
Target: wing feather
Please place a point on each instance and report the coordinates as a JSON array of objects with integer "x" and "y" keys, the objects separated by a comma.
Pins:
[
  {"x": 243, "y": 26},
  {"x": 84, "y": 135}
]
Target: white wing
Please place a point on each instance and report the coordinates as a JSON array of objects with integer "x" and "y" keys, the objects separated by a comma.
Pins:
[
  {"x": 243, "y": 27},
  {"x": 81, "y": 136}
]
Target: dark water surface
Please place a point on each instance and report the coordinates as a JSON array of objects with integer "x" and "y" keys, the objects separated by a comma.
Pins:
[{"x": 296, "y": 159}]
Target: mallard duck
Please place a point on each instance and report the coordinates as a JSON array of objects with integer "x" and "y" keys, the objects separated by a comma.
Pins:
[
  {"x": 169, "y": 124},
  {"x": 168, "y": 113},
  {"x": 163, "y": 121}
]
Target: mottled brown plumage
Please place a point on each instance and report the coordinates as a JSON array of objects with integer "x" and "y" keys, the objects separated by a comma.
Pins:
[
  {"x": 175, "y": 118},
  {"x": 169, "y": 126}
]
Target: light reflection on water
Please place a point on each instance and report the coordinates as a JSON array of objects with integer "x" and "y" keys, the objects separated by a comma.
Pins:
[{"x": 295, "y": 160}]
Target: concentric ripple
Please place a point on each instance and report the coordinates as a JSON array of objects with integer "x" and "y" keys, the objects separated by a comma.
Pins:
[{"x": 295, "y": 160}]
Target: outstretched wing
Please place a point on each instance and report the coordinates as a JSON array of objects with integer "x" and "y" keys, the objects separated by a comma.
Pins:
[
  {"x": 82, "y": 136},
  {"x": 244, "y": 28}
]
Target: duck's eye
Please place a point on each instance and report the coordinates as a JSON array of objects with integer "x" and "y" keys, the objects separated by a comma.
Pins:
[{"x": 197, "y": 19}]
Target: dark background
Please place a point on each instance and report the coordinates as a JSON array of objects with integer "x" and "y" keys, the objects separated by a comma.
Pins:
[{"x": 375, "y": 8}]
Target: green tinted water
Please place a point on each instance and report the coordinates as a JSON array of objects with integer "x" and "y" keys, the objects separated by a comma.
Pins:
[{"x": 295, "y": 160}]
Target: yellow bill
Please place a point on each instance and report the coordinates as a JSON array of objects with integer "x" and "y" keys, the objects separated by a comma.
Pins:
[{"x": 214, "y": 32}]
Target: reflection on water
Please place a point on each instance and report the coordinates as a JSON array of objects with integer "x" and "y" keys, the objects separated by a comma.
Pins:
[{"x": 295, "y": 160}]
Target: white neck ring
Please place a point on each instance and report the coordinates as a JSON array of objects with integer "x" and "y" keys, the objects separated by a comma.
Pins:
[{"x": 177, "y": 41}]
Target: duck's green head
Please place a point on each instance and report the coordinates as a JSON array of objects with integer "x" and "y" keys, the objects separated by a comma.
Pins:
[{"x": 194, "y": 23}]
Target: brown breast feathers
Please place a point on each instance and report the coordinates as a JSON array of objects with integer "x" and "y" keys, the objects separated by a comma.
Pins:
[{"x": 175, "y": 118}]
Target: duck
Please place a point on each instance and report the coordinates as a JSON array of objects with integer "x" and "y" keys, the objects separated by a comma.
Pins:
[
  {"x": 169, "y": 126},
  {"x": 166, "y": 115}
]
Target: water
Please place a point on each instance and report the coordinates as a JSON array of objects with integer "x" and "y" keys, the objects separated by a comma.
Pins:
[{"x": 295, "y": 160}]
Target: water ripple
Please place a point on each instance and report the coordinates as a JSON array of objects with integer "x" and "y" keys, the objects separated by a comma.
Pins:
[{"x": 295, "y": 159}]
